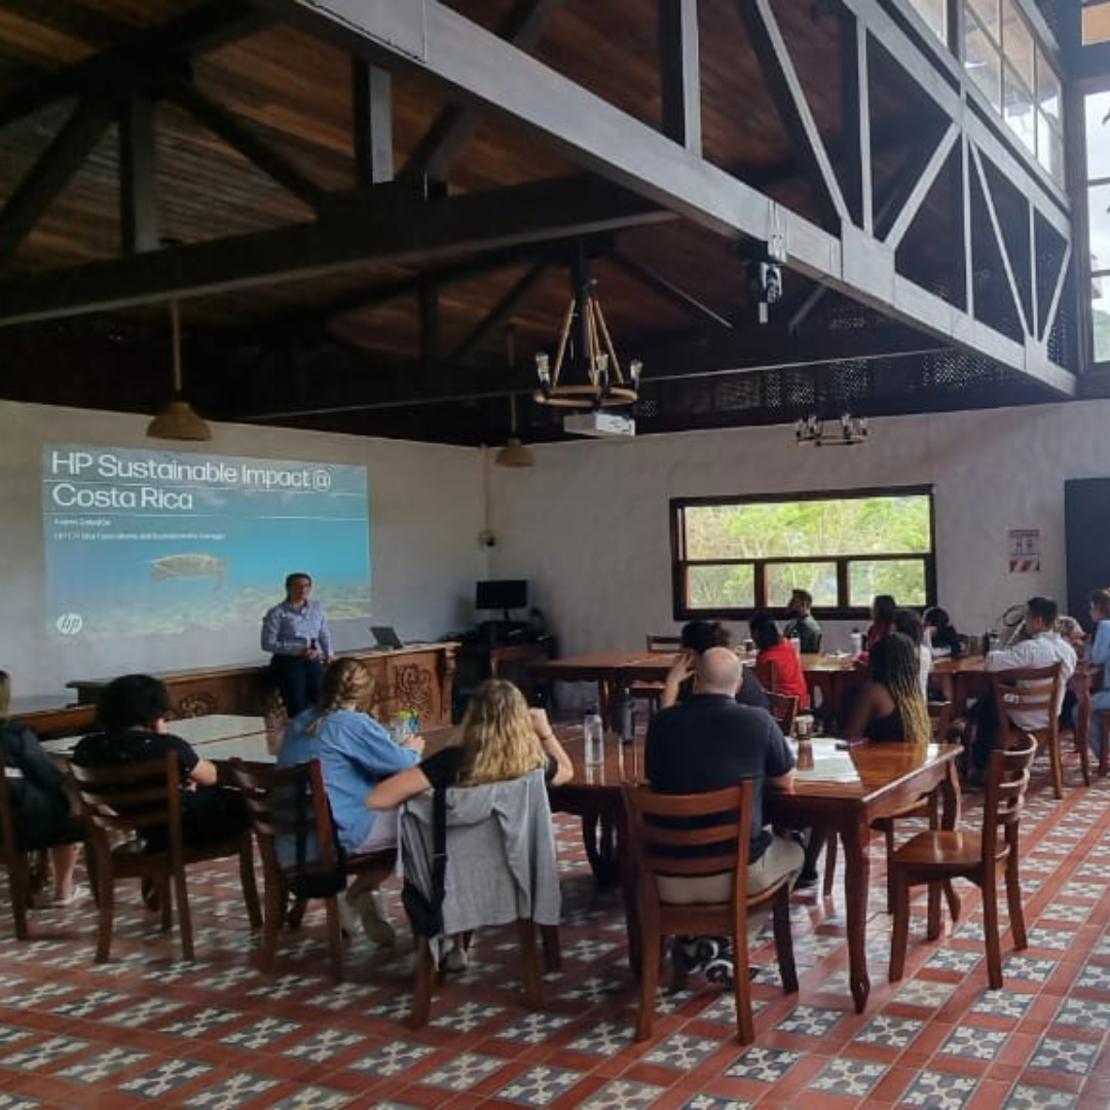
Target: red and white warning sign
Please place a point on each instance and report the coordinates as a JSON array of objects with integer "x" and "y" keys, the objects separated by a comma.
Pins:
[{"x": 1024, "y": 546}]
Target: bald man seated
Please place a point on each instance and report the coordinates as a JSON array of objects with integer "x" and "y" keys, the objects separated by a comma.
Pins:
[{"x": 708, "y": 742}]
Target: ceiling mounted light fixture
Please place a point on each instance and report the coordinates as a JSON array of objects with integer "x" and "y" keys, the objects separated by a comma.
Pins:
[
  {"x": 178, "y": 420},
  {"x": 587, "y": 353},
  {"x": 848, "y": 431}
]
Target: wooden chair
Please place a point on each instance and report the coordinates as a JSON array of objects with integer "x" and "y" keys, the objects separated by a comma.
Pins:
[
  {"x": 940, "y": 856},
  {"x": 651, "y": 691},
  {"x": 128, "y": 798},
  {"x": 940, "y": 713},
  {"x": 784, "y": 708},
  {"x": 727, "y": 817},
  {"x": 1035, "y": 690},
  {"x": 14, "y": 859},
  {"x": 292, "y": 801},
  {"x": 426, "y": 974},
  {"x": 765, "y": 673}
]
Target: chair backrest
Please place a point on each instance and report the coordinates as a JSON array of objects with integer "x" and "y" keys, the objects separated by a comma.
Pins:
[
  {"x": 132, "y": 797},
  {"x": 287, "y": 802},
  {"x": 662, "y": 644},
  {"x": 1026, "y": 690},
  {"x": 784, "y": 708},
  {"x": 723, "y": 820},
  {"x": 940, "y": 717},
  {"x": 1007, "y": 782},
  {"x": 7, "y": 814},
  {"x": 765, "y": 673}
]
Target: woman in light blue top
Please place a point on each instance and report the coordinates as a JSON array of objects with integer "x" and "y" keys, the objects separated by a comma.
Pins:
[{"x": 355, "y": 754}]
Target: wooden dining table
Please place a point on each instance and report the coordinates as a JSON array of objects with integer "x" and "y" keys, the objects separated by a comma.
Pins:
[
  {"x": 835, "y": 676},
  {"x": 844, "y": 791}
]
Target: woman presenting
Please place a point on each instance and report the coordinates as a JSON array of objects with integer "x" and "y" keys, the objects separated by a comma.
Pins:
[{"x": 295, "y": 632}]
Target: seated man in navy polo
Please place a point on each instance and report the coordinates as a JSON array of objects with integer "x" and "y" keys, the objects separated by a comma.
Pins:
[{"x": 709, "y": 742}]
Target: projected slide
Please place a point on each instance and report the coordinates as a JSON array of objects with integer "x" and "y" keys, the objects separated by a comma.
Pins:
[{"x": 158, "y": 543}]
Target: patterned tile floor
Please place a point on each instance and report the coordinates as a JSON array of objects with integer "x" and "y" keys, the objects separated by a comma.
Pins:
[{"x": 147, "y": 1028}]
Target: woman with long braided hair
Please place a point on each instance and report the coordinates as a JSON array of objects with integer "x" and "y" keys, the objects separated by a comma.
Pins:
[
  {"x": 891, "y": 706},
  {"x": 355, "y": 754}
]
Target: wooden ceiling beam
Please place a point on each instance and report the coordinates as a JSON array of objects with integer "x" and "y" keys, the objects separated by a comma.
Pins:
[
  {"x": 372, "y": 104},
  {"x": 690, "y": 304},
  {"x": 242, "y": 137},
  {"x": 94, "y": 27},
  {"x": 680, "y": 72},
  {"x": 435, "y": 154},
  {"x": 405, "y": 232},
  {"x": 500, "y": 312},
  {"x": 202, "y": 29},
  {"x": 51, "y": 173},
  {"x": 138, "y": 193},
  {"x": 793, "y": 109}
]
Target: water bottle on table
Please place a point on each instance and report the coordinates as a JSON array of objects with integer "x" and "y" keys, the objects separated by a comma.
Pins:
[{"x": 593, "y": 740}]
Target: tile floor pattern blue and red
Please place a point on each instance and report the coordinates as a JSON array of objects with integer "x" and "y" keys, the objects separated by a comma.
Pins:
[{"x": 216, "y": 1033}]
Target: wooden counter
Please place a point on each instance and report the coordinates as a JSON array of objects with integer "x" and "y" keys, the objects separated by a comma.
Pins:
[{"x": 420, "y": 677}]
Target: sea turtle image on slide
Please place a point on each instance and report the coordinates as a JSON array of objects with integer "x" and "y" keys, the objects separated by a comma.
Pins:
[{"x": 189, "y": 565}]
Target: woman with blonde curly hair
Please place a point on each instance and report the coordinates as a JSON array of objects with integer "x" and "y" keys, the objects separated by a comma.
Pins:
[{"x": 502, "y": 739}]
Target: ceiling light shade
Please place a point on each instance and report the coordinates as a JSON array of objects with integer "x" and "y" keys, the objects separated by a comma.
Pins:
[
  {"x": 514, "y": 453},
  {"x": 178, "y": 420}
]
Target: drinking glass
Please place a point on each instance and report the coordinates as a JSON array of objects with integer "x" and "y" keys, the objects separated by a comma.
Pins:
[{"x": 593, "y": 740}]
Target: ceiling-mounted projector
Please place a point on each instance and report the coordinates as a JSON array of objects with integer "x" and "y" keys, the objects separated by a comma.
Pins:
[{"x": 599, "y": 424}]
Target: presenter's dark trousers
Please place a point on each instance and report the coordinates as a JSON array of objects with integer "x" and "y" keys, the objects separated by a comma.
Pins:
[{"x": 298, "y": 681}]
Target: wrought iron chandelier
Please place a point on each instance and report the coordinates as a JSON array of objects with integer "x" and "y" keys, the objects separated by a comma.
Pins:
[
  {"x": 586, "y": 352},
  {"x": 848, "y": 431}
]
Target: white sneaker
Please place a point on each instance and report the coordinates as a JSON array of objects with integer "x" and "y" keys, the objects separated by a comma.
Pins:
[
  {"x": 375, "y": 921},
  {"x": 456, "y": 958}
]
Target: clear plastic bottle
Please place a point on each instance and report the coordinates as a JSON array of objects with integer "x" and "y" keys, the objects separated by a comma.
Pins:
[{"x": 593, "y": 740}]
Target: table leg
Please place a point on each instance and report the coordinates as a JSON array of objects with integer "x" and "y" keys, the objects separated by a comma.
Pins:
[
  {"x": 857, "y": 883},
  {"x": 950, "y": 797},
  {"x": 628, "y": 890}
]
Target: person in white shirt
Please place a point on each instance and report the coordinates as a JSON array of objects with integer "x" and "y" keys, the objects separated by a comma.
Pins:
[{"x": 1042, "y": 647}]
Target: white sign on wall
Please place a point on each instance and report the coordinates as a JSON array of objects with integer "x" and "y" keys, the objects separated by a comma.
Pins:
[{"x": 1024, "y": 549}]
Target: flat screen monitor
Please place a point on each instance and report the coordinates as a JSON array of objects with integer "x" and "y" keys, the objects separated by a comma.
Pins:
[{"x": 504, "y": 594}]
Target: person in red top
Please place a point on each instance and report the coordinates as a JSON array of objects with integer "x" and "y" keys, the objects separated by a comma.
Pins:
[
  {"x": 788, "y": 675},
  {"x": 883, "y": 608}
]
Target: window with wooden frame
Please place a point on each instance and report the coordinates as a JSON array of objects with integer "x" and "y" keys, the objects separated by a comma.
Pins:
[{"x": 734, "y": 555}]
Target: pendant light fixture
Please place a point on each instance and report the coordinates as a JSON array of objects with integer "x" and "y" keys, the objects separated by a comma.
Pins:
[
  {"x": 514, "y": 453},
  {"x": 178, "y": 420}
]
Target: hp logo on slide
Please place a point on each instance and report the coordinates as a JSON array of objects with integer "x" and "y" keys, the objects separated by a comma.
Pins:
[{"x": 69, "y": 624}]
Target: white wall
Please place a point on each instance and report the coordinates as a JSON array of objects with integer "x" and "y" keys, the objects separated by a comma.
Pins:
[
  {"x": 426, "y": 509},
  {"x": 589, "y": 524}
]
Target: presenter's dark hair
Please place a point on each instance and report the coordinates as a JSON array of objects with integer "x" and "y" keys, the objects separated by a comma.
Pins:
[
  {"x": 1044, "y": 608},
  {"x": 133, "y": 701},
  {"x": 764, "y": 630},
  {"x": 700, "y": 636},
  {"x": 291, "y": 578}
]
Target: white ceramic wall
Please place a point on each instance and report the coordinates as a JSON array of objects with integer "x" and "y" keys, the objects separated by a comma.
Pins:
[
  {"x": 589, "y": 524},
  {"x": 426, "y": 505}
]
